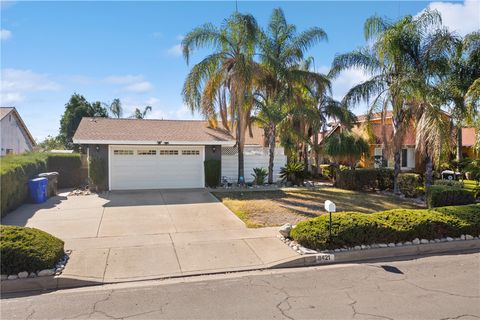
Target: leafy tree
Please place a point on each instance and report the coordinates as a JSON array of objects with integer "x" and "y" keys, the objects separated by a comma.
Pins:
[
  {"x": 346, "y": 148},
  {"x": 141, "y": 114},
  {"x": 52, "y": 143},
  {"x": 75, "y": 109},
  {"x": 222, "y": 83}
]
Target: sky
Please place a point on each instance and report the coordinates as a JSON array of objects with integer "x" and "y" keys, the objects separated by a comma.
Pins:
[{"x": 131, "y": 49}]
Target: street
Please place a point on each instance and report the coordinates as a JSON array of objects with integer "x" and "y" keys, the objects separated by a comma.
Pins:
[{"x": 435, "y": 287}]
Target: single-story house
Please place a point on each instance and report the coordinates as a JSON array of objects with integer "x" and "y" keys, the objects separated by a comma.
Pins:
[
  {"x": 156, "y": 154},
  {"x": 15, "y": 137}
]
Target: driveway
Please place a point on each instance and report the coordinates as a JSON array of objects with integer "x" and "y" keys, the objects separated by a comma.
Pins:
[{"x": 124, "y": 236}]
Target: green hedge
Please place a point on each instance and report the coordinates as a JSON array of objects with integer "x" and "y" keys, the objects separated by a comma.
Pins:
[
  {"x": 359, "y": 179},
  {"x": 16, "y": 170},
  {"x": 410, "y": 184},
  {"x": 14, "y": 174},
  {"x": 69, "y": 168},
  {"x": 398, "y": 225},
  {"x": 212, "y": 173},
  {"x": 440, "y": 196},
  {"x": 28, "y": 249},
  {"x": 385, "y": 178},
  {"x": 98, "y": 172}
]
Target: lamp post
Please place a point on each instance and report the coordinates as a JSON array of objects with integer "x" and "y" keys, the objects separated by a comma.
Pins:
[{"x": 330, "y": 207}]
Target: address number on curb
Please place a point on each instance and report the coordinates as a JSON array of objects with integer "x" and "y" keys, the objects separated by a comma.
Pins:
[{"x": 324, "y": 258}]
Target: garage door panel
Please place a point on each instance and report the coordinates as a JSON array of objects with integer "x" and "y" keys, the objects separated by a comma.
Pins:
[{"x": 167, "y": 168}]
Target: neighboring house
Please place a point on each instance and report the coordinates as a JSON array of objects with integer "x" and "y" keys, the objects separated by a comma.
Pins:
[
  {"x": 155, "y": 154},
  {"x": 15, "y": 137},
  {"x": 468, "y": 143}
]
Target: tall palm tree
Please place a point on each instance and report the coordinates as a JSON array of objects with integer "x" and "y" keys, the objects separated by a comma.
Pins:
[
  {"x": 141, "y": 114},
  {"x": 464, "y": 70},
  {"x": 115, "y": 108},
  {"x": 281, "y": 51},
  {"x": 388, "y": 66},
  {"x": 222, "y": 83}
]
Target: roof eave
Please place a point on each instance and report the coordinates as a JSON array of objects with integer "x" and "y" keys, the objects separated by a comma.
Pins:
[{"x": 228, "y": 143}]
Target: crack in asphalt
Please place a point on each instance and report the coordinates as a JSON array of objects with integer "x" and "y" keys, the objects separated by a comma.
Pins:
[
  {"x": 355, "y": 312},
  {"x": 461, "y": 316}
]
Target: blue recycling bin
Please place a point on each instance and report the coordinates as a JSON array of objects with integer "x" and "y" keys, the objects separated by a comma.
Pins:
[{"x": 38, "y": 189}]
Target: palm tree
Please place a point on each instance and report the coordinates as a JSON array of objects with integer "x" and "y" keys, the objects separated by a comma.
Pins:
[
  {"x": 281, "y": 51},
  {"x": 115, "y": 108},
  {"x": 464, "y": 70},
  {"x": 141, "y": 114},
  {"x": 222, "y": 83},
  {"x": 388, "y": 65}
]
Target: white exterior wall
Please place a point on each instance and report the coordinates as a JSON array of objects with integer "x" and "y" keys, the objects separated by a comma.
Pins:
[
  {"x": 254, "y": 157},
  {"x": 13, "y": 136}
]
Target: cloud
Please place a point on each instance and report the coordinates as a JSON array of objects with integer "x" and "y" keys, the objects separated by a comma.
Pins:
[
  {"x": 346, "y": 80},
  {"x": 131, "y": 83},
  {"x": 460, "y": 17},
  {"x": 175, "y": 51},
  {"x": 5, "y": 34},
  {"x": 15, "y": 83}
]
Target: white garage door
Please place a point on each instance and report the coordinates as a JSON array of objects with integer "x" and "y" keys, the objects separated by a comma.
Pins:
[{"x": 156, "y": 167}]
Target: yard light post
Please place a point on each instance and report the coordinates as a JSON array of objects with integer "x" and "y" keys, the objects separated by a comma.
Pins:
[{"x": 330, "y": 207}]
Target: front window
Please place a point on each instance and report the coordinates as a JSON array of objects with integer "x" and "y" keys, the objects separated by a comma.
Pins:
[{"x": 404, "y": 158}]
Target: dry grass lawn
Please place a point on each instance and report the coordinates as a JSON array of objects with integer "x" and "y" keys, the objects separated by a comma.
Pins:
[{"x": 274, "y": 208}]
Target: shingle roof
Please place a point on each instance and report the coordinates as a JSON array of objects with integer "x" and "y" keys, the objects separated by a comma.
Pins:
[{"x": 108, "y": 131}]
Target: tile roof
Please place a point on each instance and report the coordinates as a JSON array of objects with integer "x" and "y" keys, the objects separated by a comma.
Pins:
[
  {"x": 374, "y": 116},
  {"x": 108, "y": 130}
]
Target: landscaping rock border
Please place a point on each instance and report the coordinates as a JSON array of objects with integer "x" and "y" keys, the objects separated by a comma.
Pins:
[{"x": 57, "y": 270}]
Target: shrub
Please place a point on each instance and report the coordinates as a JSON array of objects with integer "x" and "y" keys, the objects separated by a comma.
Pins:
[
  {"x": 449, "y": 183},
  {"x": 440, "y": 196},
  {"x": 15, "y": 171},
  {"x": 353, "y": 228},
  {"x": 385, "y": 178},
  {"x": 212, "y": 172},
  {"x": 410, "y": 184},
  {"x": 328, "y": 171},
  {"x": 28, "y": 249},
  {"x": 97, "y": 169},
  {"x": 69, "y": 167},
  {"x": 259, "y": 175},
  {"x": 360, "y": 179},
  {"x": 293, "y": 172}
]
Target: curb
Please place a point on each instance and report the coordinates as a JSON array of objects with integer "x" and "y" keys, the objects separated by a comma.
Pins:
[
  {"x": 61, "y": 282},
  {"x": 379, "y": 253}
]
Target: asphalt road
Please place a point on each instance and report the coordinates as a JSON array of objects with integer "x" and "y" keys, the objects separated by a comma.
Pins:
[{"x": 437, "y": 287}]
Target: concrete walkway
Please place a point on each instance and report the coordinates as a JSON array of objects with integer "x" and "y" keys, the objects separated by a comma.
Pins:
[{"x": 126, "y": 236}]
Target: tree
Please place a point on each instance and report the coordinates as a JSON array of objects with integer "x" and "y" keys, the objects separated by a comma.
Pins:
[
  {"x": 281, "y": 52},
  {"x": 464, "y": 70},
  {"x": 51, "y": 143},
  {"x": 388, "y": 65},
  {"x": 75, "y": 109},
  {"x": 139, "y": 114},
  {"x": 222, "y": 83},
  {"x": 116, "y": 109},
  {"x": 346, "y": 148}
]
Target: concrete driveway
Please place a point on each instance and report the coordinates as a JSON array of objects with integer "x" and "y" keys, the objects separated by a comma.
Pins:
[{"x": 124, "y": 236}]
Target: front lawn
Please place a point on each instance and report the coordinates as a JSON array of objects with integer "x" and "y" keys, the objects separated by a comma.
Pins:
[{"x": 274, "y": 208}]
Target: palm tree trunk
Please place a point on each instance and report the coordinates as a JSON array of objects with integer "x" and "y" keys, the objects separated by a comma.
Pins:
[
  {"x": 396, "y": 171},
  {"x": 316, "y": 153},
  {"x": 428, "y": 172},
  {"x": 241, "y": 132},
  {"x": 305, "y": 157},
  {"x": 271, "y": 147},
  {"x": 459, "y": 143}
]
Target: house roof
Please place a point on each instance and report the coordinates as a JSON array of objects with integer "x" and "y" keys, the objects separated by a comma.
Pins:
[
  {"x": 468, "y": 137},
  {"x": 374, "y": 116},
  {"x": 4, "y": 111},
  {"x": 152, "y": 131}
]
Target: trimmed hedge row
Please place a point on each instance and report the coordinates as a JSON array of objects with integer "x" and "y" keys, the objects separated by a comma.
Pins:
[
  {"x": 212, "y": 169},
  {"x": 28, "y": 249},
  {"x": 365, "y": 179},
  {"x": 16, "y": 170},
  {"x": 441, "y": 195},
  {"x": 398, "y": 225}
]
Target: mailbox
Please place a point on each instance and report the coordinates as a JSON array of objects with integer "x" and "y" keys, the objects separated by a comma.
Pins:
[{"x": 330, "y": 206}]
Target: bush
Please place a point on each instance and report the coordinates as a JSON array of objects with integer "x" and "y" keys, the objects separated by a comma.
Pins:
[
  {"x": 440, "y": 196},
  {"x": 97, "y": 169},
  {"x": 449, "y": 183},
  {"x": 328, "y": 171},
  {"x": 69, "y": 167},
  {"x": 15, "y": 171},
  {"x": 385, "y": 178},
  {"x": 259, "y": 175},
  {"x": 353, "y": 228},
  {"x": 360, "y": 179},
  {"x": 212, "y": 173},
  {"x": 28, "y": 249},
  {"x": 293, "y": 172},
  {"x": 410, "y": 184}
]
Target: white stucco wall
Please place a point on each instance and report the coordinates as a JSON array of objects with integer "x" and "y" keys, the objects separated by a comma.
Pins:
[
  {"x": 12, "y": 136},
  {"x": 254, "y": 157}
]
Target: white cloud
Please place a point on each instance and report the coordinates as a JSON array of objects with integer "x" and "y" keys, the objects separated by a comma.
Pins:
[
  {"x": 346, "y": 80},
  {"x": 175, "y": 51},
  {"x": 460, "y": 17},
  {"x": 5, "y": 34},
  {"x": 131, "y": 83},
  {"x": 15, "y": 83},
  {"x": 139, "y": 87}
]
